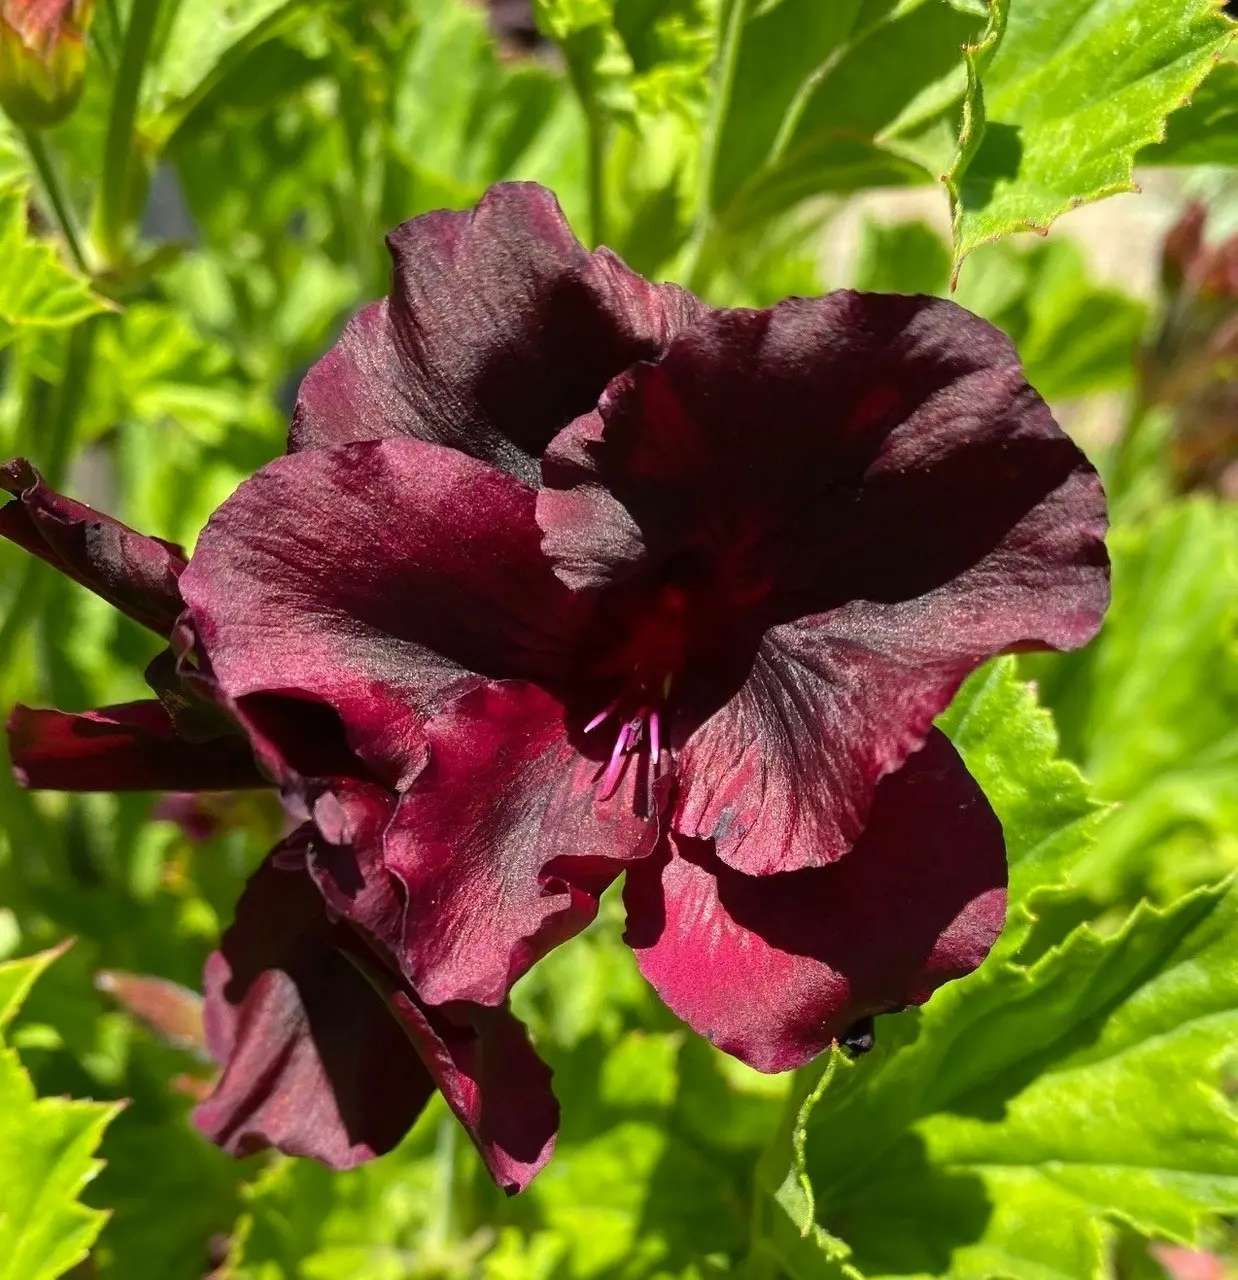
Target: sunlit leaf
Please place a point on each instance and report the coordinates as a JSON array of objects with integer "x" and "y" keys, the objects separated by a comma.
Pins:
[
  {"x": 1062, "y": 95},
  {"x": 37, "y": 290},
  {"x": 47, "y": 1148}
]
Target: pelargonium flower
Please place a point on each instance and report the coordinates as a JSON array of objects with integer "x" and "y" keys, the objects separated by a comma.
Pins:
[{"x": 568, "y": 576}]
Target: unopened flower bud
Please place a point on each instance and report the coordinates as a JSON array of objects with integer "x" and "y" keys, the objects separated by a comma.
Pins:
[{"x": 42, "y": 58}]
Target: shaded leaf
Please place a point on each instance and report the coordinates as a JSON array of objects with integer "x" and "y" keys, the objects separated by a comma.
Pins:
[{"x": 1205, "y": 131}]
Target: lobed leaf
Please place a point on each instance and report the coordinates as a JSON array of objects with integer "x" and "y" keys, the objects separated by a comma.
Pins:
[
  {"x": 37, "y": 291},
  {"x": 1062, "y": 95},
  {"x": 47, "y": 1148}
]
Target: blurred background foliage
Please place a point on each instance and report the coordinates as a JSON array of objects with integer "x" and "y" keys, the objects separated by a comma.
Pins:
[{"x": 176, "y": 253}]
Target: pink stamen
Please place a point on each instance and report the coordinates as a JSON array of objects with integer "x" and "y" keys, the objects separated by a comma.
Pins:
[
  {"x": 614, "y": 770},
  {"x": 602, "y": 715},
  {"x": 655, "y": 739}
]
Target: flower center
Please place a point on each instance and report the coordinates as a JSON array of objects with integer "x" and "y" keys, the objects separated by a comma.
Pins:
[
  {"x": 638, "y": 729},
  {"x": 648, "y": 647}
]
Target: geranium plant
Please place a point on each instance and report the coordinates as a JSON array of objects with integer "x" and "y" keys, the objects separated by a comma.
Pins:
[{"x": 580, "y": 678}]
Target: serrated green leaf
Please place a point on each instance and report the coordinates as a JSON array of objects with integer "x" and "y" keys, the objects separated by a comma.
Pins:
[
  {"x": 37, "y": 291},
  {"x": 1009, "y": 1125},
  {"x": 1062, "y": 94},
  {"x": 1205, "y": 131},
  {"x": 47, "y": 1148}
]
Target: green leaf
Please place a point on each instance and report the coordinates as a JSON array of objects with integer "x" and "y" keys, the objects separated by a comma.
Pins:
[
  {"x": 1151, "y": 707},
  {"x": 1062, "y": 94},
  {"x": 1205, "y": 131},
  {"x": 37, "y": 291},
  {"x": 811, "y": 98},
  {"x": 152, "y": 365},
  {"x": 1073, "y": 336},
  {"x": 902, "y": 257},
  {"x": 15, "y": 173},
  {"x": 1013, "y": 1122},
  {"x": 1010, "y": 746},
  {"x": 204, "y": 42},
  {"x": 47, "y": 1150}
]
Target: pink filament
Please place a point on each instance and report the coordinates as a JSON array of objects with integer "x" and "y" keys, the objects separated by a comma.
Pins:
[
  {"x": 655, "y": 739},
  {"x": 614, "y": 770},
  {"x": 602, "y": 715}
]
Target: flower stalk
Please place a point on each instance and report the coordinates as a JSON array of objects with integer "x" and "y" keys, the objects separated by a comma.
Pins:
[
  {"x": 49, "y": 179},
  {"x": 117, "y": 189}
]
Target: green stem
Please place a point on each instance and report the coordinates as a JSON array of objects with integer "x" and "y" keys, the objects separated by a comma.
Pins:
[
  {"x": 442, "y": 1226},
  {"x": 116, "y": 189},
  {"x": 595, "y": 133},
  {"x": 730, "y": 26},
  {"x": 49, "y": 178}
]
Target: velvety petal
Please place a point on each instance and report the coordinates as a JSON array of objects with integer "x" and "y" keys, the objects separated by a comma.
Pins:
[
  {"x": 131, "y": 747},
  {"x": 499, "y": 329},
  {"x": 856, "y": 446},
  {"x": 773, "y": 968},
  {"x": 866, "y": 482},
  {"x": 134, "y": 573},
  {"x": 502, "y": 844},
  {"x": 480, "y": 1057},
  {"x": 328, "y": 1054},
  {"x": 314, "y": 1063},
  {"x": 377, "y": 578}
]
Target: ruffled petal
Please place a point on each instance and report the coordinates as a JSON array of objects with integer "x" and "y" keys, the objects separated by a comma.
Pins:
[
  {"x": 499, "y": 329},
  {"x": 132, "y": 572},
  {"x": 502, "y": 845},
  {"x": 481, "y": 1058},
  {"x": 327, "y": 1052},
  {"x": 773, "y": 968},
  {"x": 856, "y": 446},
  {"x": 314, "y": 1062},
  {"x": 130, "y": 747},
  {"x": 870, "y": 501},
  {"x": 377, "y": 578}
]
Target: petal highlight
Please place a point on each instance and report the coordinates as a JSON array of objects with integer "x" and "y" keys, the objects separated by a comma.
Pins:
[{"x": 503, "y": 844}]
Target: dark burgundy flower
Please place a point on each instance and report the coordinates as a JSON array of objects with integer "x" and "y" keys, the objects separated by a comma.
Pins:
[{"x": 579, "y": 577}]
